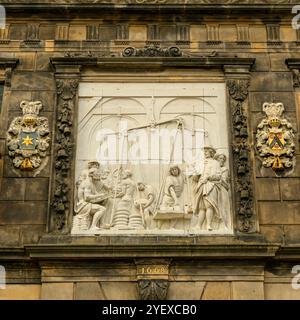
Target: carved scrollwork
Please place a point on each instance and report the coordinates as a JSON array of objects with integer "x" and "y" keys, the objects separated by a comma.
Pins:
[
  {"x": 238, "y": 91},
  {"x": 152, "y": 51},
  {"x": 153, "y": 289},
  {"x": 66, "y": 93}
]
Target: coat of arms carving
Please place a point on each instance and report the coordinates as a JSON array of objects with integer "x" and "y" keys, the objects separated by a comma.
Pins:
[
  {"x": 28, "y": 137},
  {"x": 275, "y": 139}
]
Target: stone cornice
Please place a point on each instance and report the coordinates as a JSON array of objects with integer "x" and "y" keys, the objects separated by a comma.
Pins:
[
  {"x": 156, "y": 62},
  {"x": 8, "y": 62},
  {"x": 66, "y": 6}
]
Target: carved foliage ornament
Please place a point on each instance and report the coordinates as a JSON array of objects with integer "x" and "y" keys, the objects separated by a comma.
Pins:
[
  {"x": 275, "y": 139},
  {"x": 153, "y": 289},
  {"x": 152, "y": 51},
  {"x": 238, "y": 91},
  {"x": 28, "y": 137},
  {"x": 66, "y": 92}
]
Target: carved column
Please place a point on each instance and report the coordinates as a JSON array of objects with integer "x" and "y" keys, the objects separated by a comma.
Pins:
[
  {"x": 153, "y": 279},
  {"x": 238, "y": 80},
  {"x": 67, "y": 79}
]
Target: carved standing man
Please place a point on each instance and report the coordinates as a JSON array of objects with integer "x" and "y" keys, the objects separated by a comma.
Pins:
[{"x": 207, "y": 189}]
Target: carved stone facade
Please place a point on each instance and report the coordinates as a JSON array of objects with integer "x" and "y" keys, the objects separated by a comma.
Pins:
[{"x": 223, "y": 225}]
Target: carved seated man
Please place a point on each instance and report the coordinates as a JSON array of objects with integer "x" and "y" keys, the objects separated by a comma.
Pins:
[
  {"x": 92, "y": 196},
  {"x": 172, "y": 190}
]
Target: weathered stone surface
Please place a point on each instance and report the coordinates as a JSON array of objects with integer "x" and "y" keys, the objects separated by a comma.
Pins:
[
  {"x": 9, "y": 236},
  {"x": 272, "y": 234},
  {"x": 15, "y": 99},
  {"x": 192, "y": 290},
  {"x": 37, "y": 189},
  {"x": 278, "y": 61},
  {"x": 292, "y": 234},
  {"x": 57, "y": 291},
  {"x": 279, "y": 212},
  {"x": 247, "y": 290},
  {"x": 21, "y": 292},
  {"x": 281, "y": 291},
  {"x": 32, "y": 81},
  {"x": 290, "y": 188},
  {"x": 29, "y": 212},
  {"x": 26, "y": 61},
  {"x": 12, "y": 189},
  {"x": 17, "y": 31},
  {"x": 46, "y": 97},
  {"x": 217, "y": 291},
  {"x": 89, "y": 291},
  {"x": 267, "y": 189},
  {"x": 31, "y": 234},
  {"x": 271, "y": 81},
  {"x": 119, "y": 290}
]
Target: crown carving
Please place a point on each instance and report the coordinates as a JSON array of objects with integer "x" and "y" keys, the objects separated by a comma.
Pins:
[
  {"x": 31, "y": 108},
  {"x": 273, "y": 110}
]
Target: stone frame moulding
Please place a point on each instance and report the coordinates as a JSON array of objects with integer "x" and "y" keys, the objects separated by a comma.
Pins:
[{"x": 236, "y": 73}]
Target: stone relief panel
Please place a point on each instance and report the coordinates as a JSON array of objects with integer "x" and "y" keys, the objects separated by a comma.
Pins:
[
  {"x": 152, "y": 158},
  {"x": 275, "y": 139},
  {"x": 28, "y": 138}
]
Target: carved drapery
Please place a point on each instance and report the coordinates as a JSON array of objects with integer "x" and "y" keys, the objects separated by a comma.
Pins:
[
  {"x": 63, "y": 152},
  {"x": 238, "y": 92}
]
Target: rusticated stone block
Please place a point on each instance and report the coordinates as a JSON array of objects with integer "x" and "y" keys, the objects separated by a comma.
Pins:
[
  {"x": 32, "y": 80},
  {"x": 119, "y": 290},
  {"x": 89, "y": 291},
  {"x": 33, "y": 212},
  {"x": 247, "y": 290},
  {"x": 272, "y": 234},
  {"x": 31, "y": 234},
  {"x": 57, "y": 291},
  {"x": 17, "y": 31},
  {"x": 43, "y": 61},
  {"x": 21, "y": 292},
  {"x": 267, "y": 189},
  {"x": 15, "y": 99},
  {"x": 278, "y": 61},
  {"x": 290, "y": 188},
  {"x": 12, "y": 189},
  {"x": 167, "y": 33},
  {"x": 271, "y": 81},
  {"x": 192, "y": 290},
  {"x": 217, "y": 291},
  {"x": 26, "y": 61},
  {"x": 281, "y": 291},
  {"x": 262, "y": 62},
  {"x": 278, "y": 212},
  {"x": 9, "y": 236},
  {"x": 37, "y": 189},
  {"x": 46, "y": 97},
  {"x": 47, "y": 32},
  {"x": 292, "y": 234}
]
